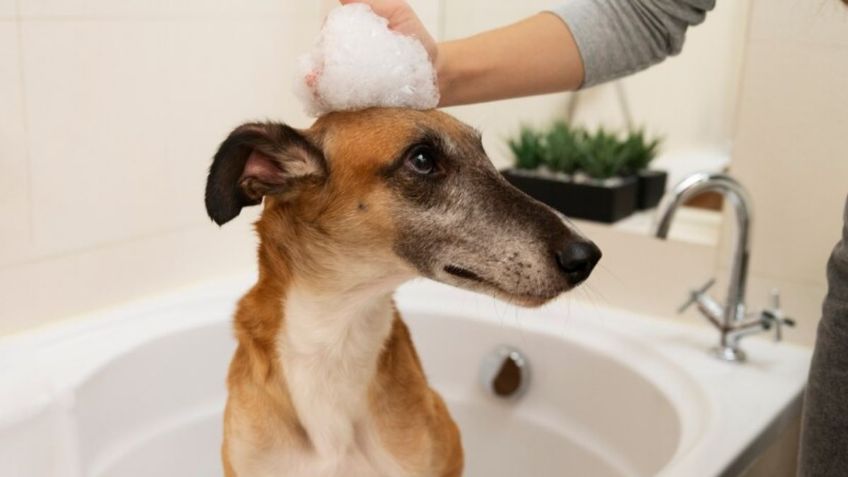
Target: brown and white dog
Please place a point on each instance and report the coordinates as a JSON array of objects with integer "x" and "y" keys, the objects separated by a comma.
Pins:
[{"x": 325, "y": 380}]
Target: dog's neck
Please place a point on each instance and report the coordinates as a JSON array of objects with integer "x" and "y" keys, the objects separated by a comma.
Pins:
[
  {"x": 333, "y": 328},
  {"x": 328, "y": 347}
]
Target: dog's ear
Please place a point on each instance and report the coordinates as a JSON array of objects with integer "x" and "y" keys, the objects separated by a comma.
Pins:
[{"x": 259, "y": 159}]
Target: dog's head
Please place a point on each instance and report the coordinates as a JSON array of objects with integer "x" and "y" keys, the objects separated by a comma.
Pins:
[{"x": 391, "y": 193}]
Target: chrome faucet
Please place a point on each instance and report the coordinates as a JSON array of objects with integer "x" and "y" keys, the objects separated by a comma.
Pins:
[{"x": 732, "y": 319}]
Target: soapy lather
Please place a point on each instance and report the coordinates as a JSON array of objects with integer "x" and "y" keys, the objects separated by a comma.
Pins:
[{"x": 358, "y": 63}]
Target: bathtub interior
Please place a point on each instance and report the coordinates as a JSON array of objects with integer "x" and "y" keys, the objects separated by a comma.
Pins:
[
  {"x": 585, "y": 412},
  {"x": 156, "y": 408}
]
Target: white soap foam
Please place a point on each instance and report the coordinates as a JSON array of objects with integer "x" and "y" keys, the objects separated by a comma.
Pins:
[{"x": 358, "y": 62}]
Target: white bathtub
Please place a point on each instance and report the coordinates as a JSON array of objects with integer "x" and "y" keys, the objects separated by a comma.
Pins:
[{"x": 139, "y": 391}]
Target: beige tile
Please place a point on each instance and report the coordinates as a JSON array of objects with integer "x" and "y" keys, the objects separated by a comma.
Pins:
[
  {"x": 147, "y": 9},
  {"x": 690, "y": 98},
  {"x": 97, "y": 117},
  {"x": 91, "y": 8},
  {"x": 429, "y": 11},
  {"x": 50, "y": 290},
  {"x": 473, "y": 16},
  {"x": 800, "y": 21},
  {"x": 8, "y": 10},
  {"x": 501, "y": 119},
  {"x": 14, "y": 175},
  {"x": 790, "y": 152},
  {"x": 290, "y": 9},
  {"x": 134, "y": 120},
  {"x": 215, "y": 82}
]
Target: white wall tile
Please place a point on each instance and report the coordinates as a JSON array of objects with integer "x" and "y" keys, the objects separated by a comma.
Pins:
[
  {"x": 429, "y": 11},
  {"x": 690, "y": 99},
  {"x": 91, "y": 8},
  {"x": 48, "y": 290},
  {"x": 468, "y": 17},
  {"x": 14, "y": 175},
  {"x": 98, "y": 117},
  {"x": 141, "y": 9},
  {"x": 791, "y": 154},
  {"x": 500, "y": 120},
  {"x": 8, "y": 9},
  {"x": 216, "y": 82},
  {"x": 800, "y": 21},
  {"x": 280, "y": 9},
  {"x": 125, "y": 116}
]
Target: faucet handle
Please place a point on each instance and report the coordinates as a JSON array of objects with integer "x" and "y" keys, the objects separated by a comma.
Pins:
[
  {"x": 695, "y": 295},
  {"x": 774, "y": 314}
]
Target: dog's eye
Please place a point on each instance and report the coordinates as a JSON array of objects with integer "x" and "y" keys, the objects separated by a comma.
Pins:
[{"x": 422, "y": 162}]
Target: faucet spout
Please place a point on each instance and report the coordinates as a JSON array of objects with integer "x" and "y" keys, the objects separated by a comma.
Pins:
[
  {"x": 735, "y": 194},
  {"x": 731, "y": 318}
]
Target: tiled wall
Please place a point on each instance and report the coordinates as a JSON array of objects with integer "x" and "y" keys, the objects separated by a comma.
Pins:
[
  {"x": 110, "y": 111},
  {"x": 792, "y": 149}
]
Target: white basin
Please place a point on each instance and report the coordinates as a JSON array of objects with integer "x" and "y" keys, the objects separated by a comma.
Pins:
[{"x": 139, "y": 391}]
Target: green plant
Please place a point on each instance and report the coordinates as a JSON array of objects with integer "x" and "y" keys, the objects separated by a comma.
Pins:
[
  {"x": 528, "y": 149},
  {"x": 563, "y": 150},
  {"x": 567, "y": 149},
  {"x": 638, "y": 152},
  {"x": 602, "y": 156}
]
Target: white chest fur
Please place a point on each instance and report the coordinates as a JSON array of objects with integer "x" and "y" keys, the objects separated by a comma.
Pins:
[{"x": 329, "y": 348}]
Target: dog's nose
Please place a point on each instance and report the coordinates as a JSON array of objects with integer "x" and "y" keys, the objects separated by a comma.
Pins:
[{"x": 577, "y": 260}]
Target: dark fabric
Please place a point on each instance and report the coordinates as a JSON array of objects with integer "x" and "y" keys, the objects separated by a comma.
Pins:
[{"x": 824, "y": 425}]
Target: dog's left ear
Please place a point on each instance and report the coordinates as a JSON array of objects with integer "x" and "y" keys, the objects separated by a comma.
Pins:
[{"x": 259, "y": 159}]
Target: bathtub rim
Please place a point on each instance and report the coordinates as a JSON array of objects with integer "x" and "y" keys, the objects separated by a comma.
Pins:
[{"x": 215, "y": 299}]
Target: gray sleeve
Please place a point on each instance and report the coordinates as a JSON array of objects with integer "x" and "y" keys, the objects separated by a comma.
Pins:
[{"x": 620, "y": 37}]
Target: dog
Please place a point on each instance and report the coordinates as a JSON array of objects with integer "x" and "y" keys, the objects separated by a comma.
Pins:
[{"x": 325, "y": 380}]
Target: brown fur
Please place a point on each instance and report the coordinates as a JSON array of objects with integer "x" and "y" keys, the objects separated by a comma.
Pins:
[
  {"x": 347, "y": 213},
  {"x": 413, "y": 421}
]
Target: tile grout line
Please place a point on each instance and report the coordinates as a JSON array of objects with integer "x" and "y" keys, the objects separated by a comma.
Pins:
[
  {"x": 101, "y": 246},
  {"x": 140, "y": 18},
  {"x": 25, "y": 119}
]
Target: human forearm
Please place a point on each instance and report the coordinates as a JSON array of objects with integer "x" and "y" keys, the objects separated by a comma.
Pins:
[{"x": 534, "y": 56}]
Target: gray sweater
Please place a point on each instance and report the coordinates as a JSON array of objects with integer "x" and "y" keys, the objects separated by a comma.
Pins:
[{"x": 620, "y": 37}]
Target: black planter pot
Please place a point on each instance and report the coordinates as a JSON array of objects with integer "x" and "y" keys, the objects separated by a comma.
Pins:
[
  {"x": 596, "y": 201},
  {"x": 651, "y": 188}
]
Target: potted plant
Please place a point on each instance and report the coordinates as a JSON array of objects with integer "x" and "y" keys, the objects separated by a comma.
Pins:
[
  {"x": 638, "y": 154},
  {"x": 580, "y": 174},
  {"x": 562, "y": 150},
  {"x": 527, "y": 149},
  {"x": 601, "y": 190},
  {"x": 532, "y": 172}
]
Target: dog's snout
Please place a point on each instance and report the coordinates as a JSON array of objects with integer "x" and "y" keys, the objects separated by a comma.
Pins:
[{"x": 577, "y": 260}]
